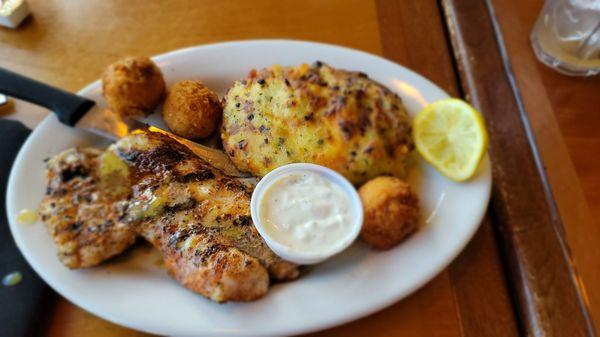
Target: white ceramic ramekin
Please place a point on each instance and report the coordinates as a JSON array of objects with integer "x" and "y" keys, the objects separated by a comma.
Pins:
[{"x": 286, "y": 252}]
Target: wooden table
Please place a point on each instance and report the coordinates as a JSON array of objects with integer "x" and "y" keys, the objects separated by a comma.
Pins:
[{"x": 511, "y": 279}]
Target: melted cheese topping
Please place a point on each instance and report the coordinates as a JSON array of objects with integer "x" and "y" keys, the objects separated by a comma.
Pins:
[{"x": 27, "y": 217}]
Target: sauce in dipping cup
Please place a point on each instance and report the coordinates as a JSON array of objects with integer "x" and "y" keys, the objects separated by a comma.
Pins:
[{"x": 306, "y": 213}]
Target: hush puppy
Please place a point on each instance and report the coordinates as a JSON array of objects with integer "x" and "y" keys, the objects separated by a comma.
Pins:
[
  {"x": 133, "y": 86},
  {"x": 391, "y": 211},
  {"x": 191, "y": 110}
]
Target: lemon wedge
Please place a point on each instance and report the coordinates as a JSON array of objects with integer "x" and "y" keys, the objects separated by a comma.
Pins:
[{"x": 450, "y": 134}]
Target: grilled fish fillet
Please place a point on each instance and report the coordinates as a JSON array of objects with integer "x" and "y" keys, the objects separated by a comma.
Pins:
[
  {"x": 86, "y": 223},
  {"x": 198, "y": 217}
]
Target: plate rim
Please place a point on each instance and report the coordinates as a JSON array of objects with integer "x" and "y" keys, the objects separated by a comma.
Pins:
[{"x": 357, "y": 314}]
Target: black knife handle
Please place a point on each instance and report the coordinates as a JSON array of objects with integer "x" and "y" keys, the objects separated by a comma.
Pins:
[{"x": 67, "y": 106}]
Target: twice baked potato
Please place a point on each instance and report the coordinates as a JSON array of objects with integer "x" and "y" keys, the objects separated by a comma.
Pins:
[{"x": 316, "y": 114}]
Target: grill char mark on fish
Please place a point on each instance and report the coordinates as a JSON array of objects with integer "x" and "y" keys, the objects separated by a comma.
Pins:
[{"x": 198, "y": 217}]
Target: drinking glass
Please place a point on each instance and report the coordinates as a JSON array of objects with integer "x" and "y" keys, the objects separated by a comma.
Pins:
[{"x": 566, "y": 36}]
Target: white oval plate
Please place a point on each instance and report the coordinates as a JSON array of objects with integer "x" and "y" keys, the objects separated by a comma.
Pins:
[{"x": 135, "y": 292}]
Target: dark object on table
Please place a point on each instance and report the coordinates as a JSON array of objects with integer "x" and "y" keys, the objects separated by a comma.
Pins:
[{"x": 21, "y": 305}]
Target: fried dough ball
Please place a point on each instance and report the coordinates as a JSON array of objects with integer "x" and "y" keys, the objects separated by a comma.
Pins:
[
  {"x": 133, "y": 86},
  {"x": 391, "y": 211},
  {"x": 191, "y": 110}
]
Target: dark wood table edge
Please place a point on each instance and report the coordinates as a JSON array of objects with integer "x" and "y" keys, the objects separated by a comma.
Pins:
[
  {"x": 546, "y": 290},
  {"x": 553, "y": 207}
]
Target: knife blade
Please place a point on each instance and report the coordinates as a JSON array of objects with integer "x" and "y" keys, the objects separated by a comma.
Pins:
[
  {"x": 107, "y": 124},
  {"x": 83, "y": 113}
]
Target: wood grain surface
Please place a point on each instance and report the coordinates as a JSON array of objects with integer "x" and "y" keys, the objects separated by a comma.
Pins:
[
  {"x": 564, "y": 113},
  {"x": 404, "y": 24},
  {"x": 550, "y": 301},
  {"x": 68, "y": 44}
]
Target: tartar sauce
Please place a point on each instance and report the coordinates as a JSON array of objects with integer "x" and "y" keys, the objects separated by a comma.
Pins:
[{"x": 306, "y": 212}]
